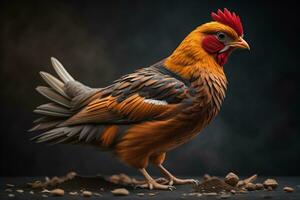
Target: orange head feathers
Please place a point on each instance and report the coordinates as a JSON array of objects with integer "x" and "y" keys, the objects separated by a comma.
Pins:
[{"x": 210, "y": 43}]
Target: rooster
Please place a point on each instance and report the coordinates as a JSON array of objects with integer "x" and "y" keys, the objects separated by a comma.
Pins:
[{"x": 143, "y": 115}]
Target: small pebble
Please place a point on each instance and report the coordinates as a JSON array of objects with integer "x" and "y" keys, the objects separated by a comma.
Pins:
[
  {"x": 57, "y": 192},
  {"x": 71, "y": 175},
  {"x": 8, "y": 190},
  {"x": 120, "y": 192},
  {"x": 97, "y": 194},
  {"x": 87, "y": 193},
  {"x": 73, "y": 193},
  {"x": 47, "y": 179},
  {"x": 140, "y": 194},
  {"x": 20, "y": 191},
  {"x": 231, "y": 179},
  {"x": 210, "y": 194},
  {"x": 250, "y": 186},
  {"x": 44, "y": 195},
  {"x": 31, "y": 192},
  {"x": 232, "y": 191},
  {"x": 10, "y": 185},
  {"x": 270, "y": 183},
  {"x": 259, "y": 186},
  {"x": 269, "y": 188},
  {"x": 288, "y": 189},
  {"x": 151, "y": 194},
  {"x": 243, "y": 191},
  {"x": 11, "y": 195},
  {"x": 251, "y": 179},
  {"x": 240, "y": 184}
]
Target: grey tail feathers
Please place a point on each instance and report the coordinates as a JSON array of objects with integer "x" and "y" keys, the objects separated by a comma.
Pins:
[
  {"x": 65, "y": 95},
  {"x": 59, "y": 109}
]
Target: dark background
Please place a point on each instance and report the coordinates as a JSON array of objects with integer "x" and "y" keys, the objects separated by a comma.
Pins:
[{"x": 257, "y": 130}]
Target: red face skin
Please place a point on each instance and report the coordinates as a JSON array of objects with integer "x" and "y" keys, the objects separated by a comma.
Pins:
[{"x": 212, "y": 45}]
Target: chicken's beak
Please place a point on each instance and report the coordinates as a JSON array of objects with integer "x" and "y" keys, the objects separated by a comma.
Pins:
[{"x": 240, "y": 43}]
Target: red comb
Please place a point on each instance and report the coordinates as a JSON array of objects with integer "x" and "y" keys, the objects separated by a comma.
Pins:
[{"x": 229, "y": 19}]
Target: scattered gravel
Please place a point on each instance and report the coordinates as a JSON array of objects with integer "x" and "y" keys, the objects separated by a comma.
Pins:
[
  {"x": 251, "y": 179},
  {"x": 87, "y": 193},
  {"x": 57, "y": 192},
  {"x": 288, "y": 189},
  {"x": 270, "y": 183},
  {"x": 11, "y": 195},
  {"x": 231, "y": 179},
  {"x": 210, "y": 194},
  {"x": 73, "y": 193},
  {"x": 120, "y": 192},
  {"x": 250, "y": 186},
  {"x": 10, "y": 185},
  {"x": 225, "y": 196},
  {"x": 8, "y": 190},
  {"x": 97, "y": 194},
  {"x": 259, "y": 186}
]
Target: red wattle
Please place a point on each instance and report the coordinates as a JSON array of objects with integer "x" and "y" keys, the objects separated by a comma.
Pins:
[
  {"x": 222, "y": 58},
  {"x": 212, "y": 45}
]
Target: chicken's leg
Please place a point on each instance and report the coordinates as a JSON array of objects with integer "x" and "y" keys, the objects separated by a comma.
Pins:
[
  {"x": 152, "y": 184},
  {"x": 175, "y": 180}
]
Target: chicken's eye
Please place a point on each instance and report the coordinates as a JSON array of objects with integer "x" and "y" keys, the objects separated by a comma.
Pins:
[{"x": 221, "y": 36}]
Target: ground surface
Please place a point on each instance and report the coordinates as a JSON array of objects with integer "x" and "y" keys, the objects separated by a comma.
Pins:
[{"x": 95, "y": 184}]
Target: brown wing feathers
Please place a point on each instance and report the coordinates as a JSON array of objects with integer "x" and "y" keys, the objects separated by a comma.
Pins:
[{"x": 79, "y": 114}]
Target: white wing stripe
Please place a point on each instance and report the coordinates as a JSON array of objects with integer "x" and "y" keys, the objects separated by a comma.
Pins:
[{"x": 156, "y": 102}]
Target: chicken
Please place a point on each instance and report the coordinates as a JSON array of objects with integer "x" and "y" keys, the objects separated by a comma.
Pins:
[{"x": 145, "y": 114}]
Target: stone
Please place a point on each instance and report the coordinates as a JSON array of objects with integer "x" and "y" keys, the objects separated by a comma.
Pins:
[
  {"x": 225, "y": 196},
  {"x": 120, "y": 192},
  {"x": 240, "y": 184},
  {"x": 73, "y": 193},
  {"x": 269, "y": 188},
  {"x": 270, "y": 183},
  {"x": 11, "y": 195},
  {"x": 231, "y": 179},
  {"x": 250, "y": 186},
  {"x": 259, "y": 186},
  {"x": 288, "y": 189},
  {"x": 251, "y": 179},
  {"x": 210, "y": 194},
  {"x": 10, "y": 185},
  {"x": 97, "y": 194},
  {"x": 57, "y": 192},
  {"x": 20, "y": 191},
  {"x": 87, "y": 193}
]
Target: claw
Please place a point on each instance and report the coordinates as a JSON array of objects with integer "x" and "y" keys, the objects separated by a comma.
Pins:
[
  {"x": 196, "y": 182},
  {"x": 171, "y": 187},
  {"x": 154, "y": 185}
]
